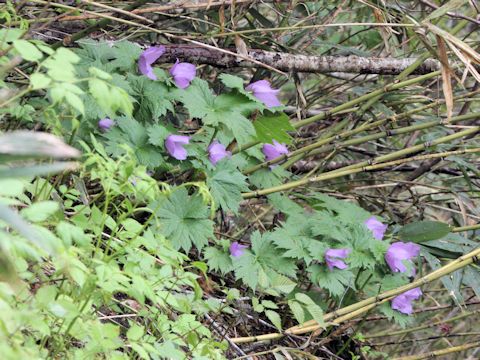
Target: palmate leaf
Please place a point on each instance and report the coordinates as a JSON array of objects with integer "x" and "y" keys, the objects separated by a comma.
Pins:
[
  {"x": 226, "y": 184},
  {"x": 262, "y": 264},
  {"x": 295, "y": 237},
  {"x": 218, "y": 260},
  {"x": 335, "y": 281},
  {"x": 133, "y": 134},
  {"x": 184, "y": 220},
  {"x": 226, "y": 110},
  {"x": 342, "y": 209},
  {"x": 154, "y": 98},
  {"x": 271, "y": 127}
]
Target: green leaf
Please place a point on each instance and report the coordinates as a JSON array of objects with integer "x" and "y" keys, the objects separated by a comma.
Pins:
[
  {"x": 334, "y": 281},
  {"x": 25, "y": 229},
  {"x": 153, "y": 97},
  {"x": 198, "y": 99},
  {"x": 39, "y": 81},
  {"x": 135, "y": 332},
  {"x": 157, "y": 135},
  {"x": 226, "y": 109},
  {"x": 274, "y": 318},
  {"x": 226, "y": 184},
  {"x": 424, "y": 231},
  {"x": 75, "y": 101},
  {"x": 239, "y": 127},
  {"x": 126, "y": 55},
  {"x": 232, "y": 81},
  {"x": 442, "y": 10},
  {"x": 263, "y": 266},
  {"x": 273, "y": 127},
  {"x": 471, "y": 277},
  {"x": 449, "y": 282},
  {"x": 297, "y": 311},
  {"x": 40, "y": 211},
  {"x": 27, "y": 50},
  {"x": 218, "y": 260},
  {"x": 294, "y": 238},
  {"x": 184, "y": 220}
]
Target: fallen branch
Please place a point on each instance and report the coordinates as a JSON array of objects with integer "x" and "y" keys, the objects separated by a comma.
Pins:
[{"x": 298, "y": 63}]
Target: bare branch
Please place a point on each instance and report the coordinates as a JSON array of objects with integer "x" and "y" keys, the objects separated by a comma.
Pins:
[{"x": 298, "y": 63}]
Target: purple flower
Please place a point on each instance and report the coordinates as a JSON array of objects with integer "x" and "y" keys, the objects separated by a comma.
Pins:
[
  {"x": 263, "y": 91},
  {"x": 105, "y": 124},
  {"x": 403, "y": 302},
  {"x": 398, "y": 252},
  {"x": 376, "y": 227},
  {"x": 333, "y": 256},
  {"x": 273, "y": 151},
  {"x": 147, "y": 58},
  {"x": 174, "y": 145},
  {"x": 217, "y": 152},
  {"x": 183, "y": 73},
  {"x": 236, "y": 249}
]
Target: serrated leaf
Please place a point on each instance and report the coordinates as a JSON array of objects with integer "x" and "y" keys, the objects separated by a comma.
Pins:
[
  {"x": 27, "y": 50},
  {"x": 232, "y": 81},
  {"x": 274, "y": 318},
  {"x": 335, "y": 281},
  {"x": 317, "y": 314},
  {"x": 39, "y": 81},
  {"x": 424, "y": 231},
  {"x": 218, "y": 260},
  {"x": 226, "y": 185},
  {"x": 40, "y": 211},
  {"x": 297, "y": 311},
  {"x": 273, "y": 127},
  {"x": 184, "y": 220},
  {"x": 157, "y": 135}
]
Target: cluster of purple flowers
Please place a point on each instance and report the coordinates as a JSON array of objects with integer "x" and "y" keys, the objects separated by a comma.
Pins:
[
  {"x": 397, "y": 254},
  {"x": 183, "y": 73}
]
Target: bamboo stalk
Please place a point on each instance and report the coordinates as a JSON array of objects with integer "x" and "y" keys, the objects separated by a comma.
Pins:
[
  {"x": 309, "y": 148},
  {"x": 422, "y": 327},
  {"x": 363, "y": 306},
  {"x": 362, "y": 166},
  {"x": 350, "y": 104},
  {"x": 445, "y": 351}
]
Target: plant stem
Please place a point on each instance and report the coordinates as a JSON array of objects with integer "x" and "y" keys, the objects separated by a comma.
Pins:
[
  {"x": 350, "y": 104},
  {"x": 364, "y": 165},
  {"x": 436, "y": 353},
  {"x": 363, "y": 306}
]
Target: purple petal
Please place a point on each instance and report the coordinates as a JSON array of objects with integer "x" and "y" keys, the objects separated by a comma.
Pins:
[
  {"x": 147, "y": 58},
  {"x": 376, "y": 227},
  {"x": 273, "y": 151},
  {"x": 174, "y": 145},
  {"x": 333, "y": 256},
  {"x": 236, "y": 249},
  {"x": 217, "y": 152},
  {"x": 183, "y": 73},
  {"x": 403, "y": 302},
  {"x": 105, "y": 124},
  {"x": 398, "y": 252},
  {"x": 263, "y": 91}
]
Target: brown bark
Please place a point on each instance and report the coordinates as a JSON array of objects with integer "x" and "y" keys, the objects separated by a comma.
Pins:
[{"x": 297, "y": 63}]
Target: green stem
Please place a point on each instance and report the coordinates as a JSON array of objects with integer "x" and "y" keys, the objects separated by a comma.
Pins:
[
  {"x": 350, "y": 104},
  {"x": 422, "y": 327},
  {"x": 364, "y": 165},
  {"x": 313, "y": 149}
]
